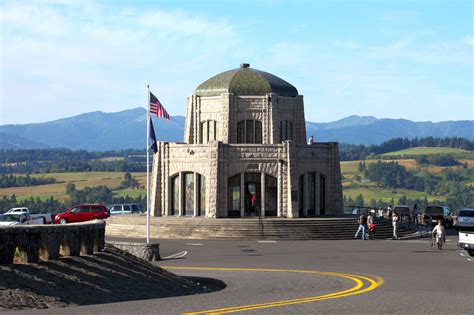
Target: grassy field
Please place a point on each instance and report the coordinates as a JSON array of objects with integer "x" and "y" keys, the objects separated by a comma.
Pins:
[
  {"x": 386, "y": 194},
  {"x": 354, "y": 183},
  {"x": 426, "y": 150},
  {"x": 81, "y": 180}
]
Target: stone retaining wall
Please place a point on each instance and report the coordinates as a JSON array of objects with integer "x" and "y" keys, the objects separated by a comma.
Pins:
[
  {"x": 149, "y": 252},
  {"x": 44, "y": 242}
]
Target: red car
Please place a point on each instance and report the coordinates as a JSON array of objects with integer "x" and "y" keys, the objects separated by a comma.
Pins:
[{"x": 81, "y": 213}]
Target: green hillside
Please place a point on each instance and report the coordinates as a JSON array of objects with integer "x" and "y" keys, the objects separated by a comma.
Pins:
[
  {"x": 355, "y": 182},
  {"x": 426, "y": 150},
  {"x": 80, "y": 179}
]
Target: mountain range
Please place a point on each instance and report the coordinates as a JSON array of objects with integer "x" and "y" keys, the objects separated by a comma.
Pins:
[{"x": 100, "y": 131}]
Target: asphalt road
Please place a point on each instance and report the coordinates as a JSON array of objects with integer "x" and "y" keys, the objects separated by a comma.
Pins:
[{"x": 416, "y": 279}]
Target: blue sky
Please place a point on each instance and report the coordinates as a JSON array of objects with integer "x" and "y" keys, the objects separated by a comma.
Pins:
[{"x": 388, "y": 59}]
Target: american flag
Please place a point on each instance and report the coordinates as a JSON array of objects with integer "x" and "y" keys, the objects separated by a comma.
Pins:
[{"x": 158, "y": 109}]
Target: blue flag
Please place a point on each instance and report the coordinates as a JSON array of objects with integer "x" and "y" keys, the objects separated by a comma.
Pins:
[{"x": 154, "y": 144}]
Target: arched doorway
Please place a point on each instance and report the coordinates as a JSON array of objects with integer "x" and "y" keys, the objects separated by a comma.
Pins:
[
  {"x": 253, "y": 194},
  {"x": 312, "y": 193}
]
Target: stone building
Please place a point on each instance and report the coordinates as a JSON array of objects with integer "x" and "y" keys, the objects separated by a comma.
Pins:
[{"x": 245, "y": 154}]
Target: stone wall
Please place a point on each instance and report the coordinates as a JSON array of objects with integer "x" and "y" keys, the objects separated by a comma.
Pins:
[
  {"x": 218, "y": 162},
  {"x": 44, "y": 242},
  {"x": 228, "y": 109}
]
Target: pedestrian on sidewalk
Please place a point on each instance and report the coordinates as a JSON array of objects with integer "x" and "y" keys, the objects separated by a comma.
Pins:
[
  {"x": 362, "y": 223},
  {"x": 439, "y": 234},
  {"x": 395, "y": 225},
  {"x": 370, "y": 222}
]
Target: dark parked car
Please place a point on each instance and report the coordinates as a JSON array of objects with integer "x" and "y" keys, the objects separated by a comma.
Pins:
[
  {"x": 434, "y": 213},
  {"x": 81, "y": 213}
]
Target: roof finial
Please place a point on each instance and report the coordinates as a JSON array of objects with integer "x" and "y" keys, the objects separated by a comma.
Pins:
[{"x": 245, "y": 65}]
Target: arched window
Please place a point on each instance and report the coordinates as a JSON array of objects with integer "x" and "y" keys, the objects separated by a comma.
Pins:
[
  {"x": 202, "y": 195},
  {"x": 190, "y": 194},
  {"x": 249, "y": 131},
  {"x": 175, "y": 189},
  {"x": 188, "y": 190},
  {"x": 234, "y": 196},
  {"x": 271, "y": 196},
  {"x": 208, "y": 131},
  {"x": 286, "y": 130}
]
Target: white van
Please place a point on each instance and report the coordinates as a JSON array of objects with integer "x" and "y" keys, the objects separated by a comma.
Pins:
[{"x": 465, "y": 227}]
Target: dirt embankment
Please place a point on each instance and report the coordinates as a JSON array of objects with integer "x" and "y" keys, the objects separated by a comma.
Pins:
[{"x": 106, "y": 277}]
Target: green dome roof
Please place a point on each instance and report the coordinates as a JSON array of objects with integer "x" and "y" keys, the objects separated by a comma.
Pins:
[{"x": 246, "y": 81}]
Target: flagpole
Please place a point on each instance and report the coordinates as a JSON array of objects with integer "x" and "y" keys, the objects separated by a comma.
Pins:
[{"x": 148, "y": 168}]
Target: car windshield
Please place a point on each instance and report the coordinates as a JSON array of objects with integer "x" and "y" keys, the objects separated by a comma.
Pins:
[
  {"x": 466, "y": 213},
  {"x": 17, "y": 210},
  {"x": 9, "y": 218},
  {"x": 434, "y": 210}
]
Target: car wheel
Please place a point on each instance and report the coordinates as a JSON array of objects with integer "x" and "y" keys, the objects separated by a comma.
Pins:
[
  {"x": 62, "y": 221},
  {"x": 471, "y": 253}
]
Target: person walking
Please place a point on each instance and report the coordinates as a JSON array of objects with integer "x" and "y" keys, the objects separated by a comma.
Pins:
[
  {"x": 439, "y": 234},
  {"x": 370, "y": 223},
  {"x": 395, "y": 225},
  {"x": 362, "y": 223},
  {"x": 370, "y": 218},
  {"x": 253, "y": 203}
]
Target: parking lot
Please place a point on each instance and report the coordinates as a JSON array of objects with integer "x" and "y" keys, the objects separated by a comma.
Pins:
[{"x": 415, "y": 278}]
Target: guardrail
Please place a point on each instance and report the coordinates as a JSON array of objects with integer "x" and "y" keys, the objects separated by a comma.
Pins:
[{"x": 32, "y": 243}]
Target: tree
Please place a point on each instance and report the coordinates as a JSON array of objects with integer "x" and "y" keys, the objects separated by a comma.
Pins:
[
  {"x": 70, "y": 189},
  {"x": 359, "y": 200},
  {"x": 129, "y": 181}
]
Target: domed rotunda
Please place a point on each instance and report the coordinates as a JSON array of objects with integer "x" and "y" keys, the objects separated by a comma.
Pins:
[{"x": 245, "y": 154}]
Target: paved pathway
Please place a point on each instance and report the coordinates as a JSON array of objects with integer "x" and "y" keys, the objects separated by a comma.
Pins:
[{"x": 310, "y": 277}]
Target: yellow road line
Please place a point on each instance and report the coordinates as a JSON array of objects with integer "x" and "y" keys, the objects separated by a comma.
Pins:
[{"x": 357, "y": 289}]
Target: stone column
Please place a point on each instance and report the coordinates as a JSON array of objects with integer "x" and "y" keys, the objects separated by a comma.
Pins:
[
  {"x": 279, "y": 191},
  {"x": 318, "y": 195},
  {"x": 305, "y": 194},
  {"x": 196, "y": 194},
  {"x": 155, "y": 185},
  {"x": 181, "y": 188},
  {"x": 242, "y": 194},
  {"x": 292, "y": 182},
  {"x": 262, "y": 199}
]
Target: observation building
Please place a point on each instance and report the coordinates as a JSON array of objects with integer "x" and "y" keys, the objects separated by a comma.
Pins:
[{"x": 245, "y": 154}]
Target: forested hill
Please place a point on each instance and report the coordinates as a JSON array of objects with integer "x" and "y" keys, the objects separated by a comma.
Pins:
[
  {"x": 98, "y": 131},
  {"x": 350, "y": 152}
]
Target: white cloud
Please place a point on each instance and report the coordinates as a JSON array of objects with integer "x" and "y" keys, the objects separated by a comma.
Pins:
[
  {"x": 469, "y": 40},
  {"x": 73, "y": 56},
  {"x": 83, "y": 57}
]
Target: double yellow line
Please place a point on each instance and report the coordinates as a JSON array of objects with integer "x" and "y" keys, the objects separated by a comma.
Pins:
[{"x": 362, "y": 284}]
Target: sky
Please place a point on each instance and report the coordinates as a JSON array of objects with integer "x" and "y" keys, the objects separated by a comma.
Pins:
[{"x": 388, "y": 59}]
